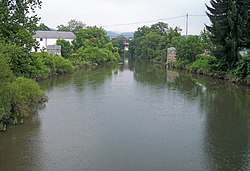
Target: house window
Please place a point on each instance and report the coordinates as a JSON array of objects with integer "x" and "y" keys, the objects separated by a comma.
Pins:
[
  {"x": 41, "y": 39},
  {"x": 37, "y": 49}
]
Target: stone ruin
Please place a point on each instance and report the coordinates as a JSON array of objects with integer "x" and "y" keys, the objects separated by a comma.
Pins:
[{"x": 171, "y": 57}]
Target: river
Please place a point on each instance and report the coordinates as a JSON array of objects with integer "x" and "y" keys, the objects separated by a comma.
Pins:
[{"x": 133, "y": 118}]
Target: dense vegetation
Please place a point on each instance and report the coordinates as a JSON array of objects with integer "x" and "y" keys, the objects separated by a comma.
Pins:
[
  {"x": 226, "y": 42},
  {"x": 20, "y": 94},
  {"x": 151, "y": 43},
  {"x": 18, "y": 21},
  {"x": 230, "y": 28},
  {"x": 92, "y": 46},
  {"x": 43, "y": 27}
]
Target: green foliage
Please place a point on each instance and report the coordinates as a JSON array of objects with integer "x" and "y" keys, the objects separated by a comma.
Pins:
[
  {"x": 53, "y": 64},
  {"x": 230, "y": 28},
  {"x": 18, "y": 97},
  {"x": 207, "y": 44},
  {"x": 181, "y": 64},
  {"x": 187, "y": 48},
  {"x": 204, "y": 63},
  {"x": 119, "y": 43},
  {"x": 90, "y": 36},
  {"x": 151, "y": 43},
  {"x": 18, "y": 21},
  {"x": 19, "y": 59},
  {"x": 5, "y": 105},
  {"x": 43, "y": 27},
  {"x": 97, "y": 55},
  {"x": 26, "y": 95},
  {"x": 38, "y": 69},
  {"x": 93, "y": 46},
  {"x": 243, "y": 67},
  {"x": 62, "y": 65},
  {"x": 34, "y": 65},
  {"x": 66, "y": 48},
  {"x": 6, "y": 75},
  {"x": 73, "y": 25}
]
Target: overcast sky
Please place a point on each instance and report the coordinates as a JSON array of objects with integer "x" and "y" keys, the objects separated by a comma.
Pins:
[{"x": 113, "y": 12}]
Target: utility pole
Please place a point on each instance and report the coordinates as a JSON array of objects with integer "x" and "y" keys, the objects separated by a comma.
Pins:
[{"x": 187, "y": 24}]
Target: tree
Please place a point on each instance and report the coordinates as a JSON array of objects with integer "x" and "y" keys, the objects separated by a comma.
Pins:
[
  {"x": 151, "y": 43},
  {"x": 119, "y": 43},
  {"x": 43, "y": 27},
  {"x": 188, "y": 47},
  {"x": 230, "y": 28},
  {"x": 66, "y": 48},
  {"x": 18, "y": 21},
  {"x": 91, "y": 36},
  {"x": 92, "y": 45},
  {"x": 73, "y": 25},
  {"x": 205, "y": 36}
]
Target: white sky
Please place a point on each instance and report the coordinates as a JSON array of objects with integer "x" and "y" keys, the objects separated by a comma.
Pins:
[{"x": 110, "y": 12}]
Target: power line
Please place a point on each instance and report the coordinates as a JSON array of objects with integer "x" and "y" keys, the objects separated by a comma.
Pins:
[
  {"x": 143, "y": 22},
  {"x": 151, "y": 21},
  {"x": 202, "y": 15}
]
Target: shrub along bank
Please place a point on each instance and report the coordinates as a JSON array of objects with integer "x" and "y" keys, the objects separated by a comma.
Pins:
[
  {"x": 209, "y": 65},
  {"x": 20, "y": 94},
  {"x": 151, "y": 44},
  {"x": 19, "y": 97}
]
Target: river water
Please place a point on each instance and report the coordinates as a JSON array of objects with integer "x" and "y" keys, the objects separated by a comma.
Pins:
[{"x": 133, "y": 118}]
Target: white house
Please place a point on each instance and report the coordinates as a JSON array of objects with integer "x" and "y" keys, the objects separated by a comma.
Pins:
[{"x": 47, "y": 40}]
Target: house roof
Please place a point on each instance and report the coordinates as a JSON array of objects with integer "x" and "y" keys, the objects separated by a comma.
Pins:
[{"x": 54, "y": 35}]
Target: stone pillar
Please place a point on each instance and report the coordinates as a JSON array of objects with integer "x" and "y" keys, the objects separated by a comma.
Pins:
[{"x": 171, "y": 57}]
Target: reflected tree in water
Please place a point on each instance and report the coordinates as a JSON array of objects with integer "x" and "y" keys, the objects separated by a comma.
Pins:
[{"x": 227, "y": 128}]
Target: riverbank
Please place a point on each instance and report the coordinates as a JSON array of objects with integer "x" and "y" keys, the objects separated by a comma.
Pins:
[
  {"x": 21, "y": 95},
  {"x": 218, "y": 75},
  {"x": 222, "y": 75}
]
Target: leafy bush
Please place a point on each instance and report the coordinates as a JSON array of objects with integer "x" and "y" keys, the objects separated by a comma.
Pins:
[
  {"x": 62, "y": 65},
  {"x": 6, "y": 76},
  {"x": 92, "y": 46},
  {"x": 90, "y": 37},
  {"x": 19, "y": 99},
  {"x": 66, "y": 48},
  {"x": 150, "y": 43},
  {"x": 5, "y": 105},
  {"x": 187, "y": 48},
  {"x": 53, "y": 64},
  {"x": 204, "y": 63},
  {"x": 38, "y": 68},
  {"x": 181, "y": 64},
  {"x": 243, "y": 67},
  {"x": 18, "y": 58},
  {"x": 97, "y": 55},
  {"x": 26, "y": 96},
  {"x": 29, "y": 65}
]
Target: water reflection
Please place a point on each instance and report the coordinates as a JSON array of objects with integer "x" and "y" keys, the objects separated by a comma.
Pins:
[
  {"x": 227, "y": 114},
  {"x": 226, "y": 133},
  {"x": 133, "y": 117},
  {"x": 20, "y": 146},
  {"x": 147, "y": 74},
  {"x": 227, "y": 128}
]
